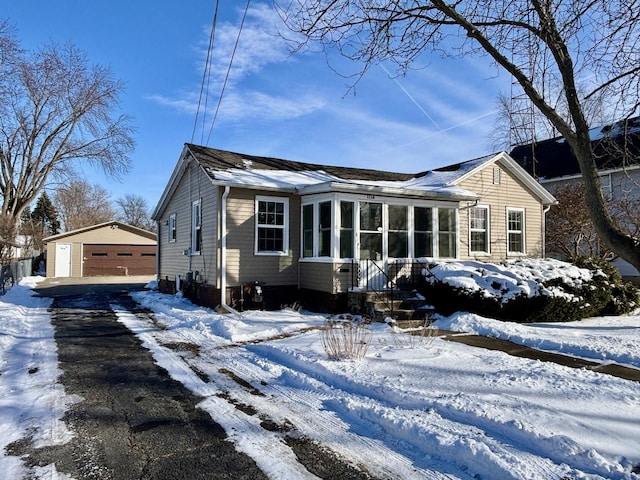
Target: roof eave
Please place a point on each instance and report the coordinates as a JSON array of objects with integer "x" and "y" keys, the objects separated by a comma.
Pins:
[{"x": 444, "y": 193}]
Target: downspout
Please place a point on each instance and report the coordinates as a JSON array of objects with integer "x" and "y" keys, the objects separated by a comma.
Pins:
[
  {"x": 223, "y": 253},
  {"x": 544, "y": 230},
  {"x": 158, "y": 237}
]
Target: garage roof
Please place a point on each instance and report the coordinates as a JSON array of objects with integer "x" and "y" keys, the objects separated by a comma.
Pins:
[{"x": 112, "y": 224}]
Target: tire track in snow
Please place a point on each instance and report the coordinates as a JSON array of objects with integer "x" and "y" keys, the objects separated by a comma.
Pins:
[{"x": 356, "y": 408}]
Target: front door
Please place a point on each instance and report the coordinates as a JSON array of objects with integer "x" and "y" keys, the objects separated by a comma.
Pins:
[
  {"x": 372, "y": 264},
  {"x": 63, "y": 260}
]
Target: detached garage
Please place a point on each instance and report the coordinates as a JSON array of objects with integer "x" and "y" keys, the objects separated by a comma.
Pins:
[{"x": 112, "y": 248}]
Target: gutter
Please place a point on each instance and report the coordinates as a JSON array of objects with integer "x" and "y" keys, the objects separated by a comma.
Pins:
[{"x": 223, "y": 253}]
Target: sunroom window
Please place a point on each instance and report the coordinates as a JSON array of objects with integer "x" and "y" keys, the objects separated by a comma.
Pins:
[
  {"x": 307, "y": 230},
  {"x": 446, "y": 232},
  {"x": 398, "y": 231},
  {"x": 423, "y": 231},
  {"x": 325, "y": 228},
  {"x": 346, "y": 230}
]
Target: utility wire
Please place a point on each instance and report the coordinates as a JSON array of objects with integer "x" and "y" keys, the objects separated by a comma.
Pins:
[
  {"x": 206, "y": 75},
  {"x": 226, "y": 78}
]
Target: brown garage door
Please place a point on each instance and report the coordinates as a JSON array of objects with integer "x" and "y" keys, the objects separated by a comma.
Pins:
[{"x": 119, "y": 260}]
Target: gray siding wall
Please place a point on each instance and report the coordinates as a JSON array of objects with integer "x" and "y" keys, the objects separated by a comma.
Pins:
[
  {"x": 243, "y": 264},
  {"x": 326, "y": 276},
  {"x": 193, "y": 185}
]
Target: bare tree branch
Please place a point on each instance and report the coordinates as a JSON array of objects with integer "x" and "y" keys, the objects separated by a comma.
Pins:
[{"x": 553, "y": 49}]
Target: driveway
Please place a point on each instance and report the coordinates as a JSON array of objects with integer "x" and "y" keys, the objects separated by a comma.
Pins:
[{"x": 134, "y": 421}]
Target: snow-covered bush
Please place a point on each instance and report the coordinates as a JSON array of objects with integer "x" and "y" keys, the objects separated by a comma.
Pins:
[{"x": 529, "y": 290}]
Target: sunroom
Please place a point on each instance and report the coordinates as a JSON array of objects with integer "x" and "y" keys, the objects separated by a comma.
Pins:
[{"x": 352, "y": 240}]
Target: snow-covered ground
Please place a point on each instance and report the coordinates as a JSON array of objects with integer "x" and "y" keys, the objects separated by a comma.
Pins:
[{"x": 411, "y": 408}]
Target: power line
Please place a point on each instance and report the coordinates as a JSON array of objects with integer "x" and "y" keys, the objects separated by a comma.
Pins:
[
  {"x": 206, "y": 75},
  {"x": 226, "y": 78}
]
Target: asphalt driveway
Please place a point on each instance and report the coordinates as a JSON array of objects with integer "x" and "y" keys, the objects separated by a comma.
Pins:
[{"x": 134, "y": 421}]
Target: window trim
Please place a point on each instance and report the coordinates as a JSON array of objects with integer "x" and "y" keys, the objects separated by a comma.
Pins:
[
  {"x": 522, "y": 212},
  {"x": 606, "y": 185},
  {"x": 173, "y": 233},
  {"x": 285, "y": 226},
  {"x": 486, "y": 230}
]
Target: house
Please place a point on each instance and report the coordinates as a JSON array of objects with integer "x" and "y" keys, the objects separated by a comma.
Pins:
[
  {"x": 616, "y": 149},
  {"x": 236, "y": 230},
  {"x": 111, "y": 248}
]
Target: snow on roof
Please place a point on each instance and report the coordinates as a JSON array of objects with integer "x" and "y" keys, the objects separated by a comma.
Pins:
[{"x": 270, "y": 173}]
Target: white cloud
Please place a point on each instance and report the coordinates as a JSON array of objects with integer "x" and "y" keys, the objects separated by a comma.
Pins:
[
  {"x": 259, "y": 45},
  {"x": 254, "y": 104}
]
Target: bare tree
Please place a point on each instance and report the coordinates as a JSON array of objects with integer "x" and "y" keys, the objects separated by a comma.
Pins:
[
  {"x": 8, "y": 232},
  {"x": 133, "y": 209},
  {"x": 570, "y": 232},
  {"x": 56, "y": 111},
  {"x": 555, "y": 51},
  {"x": 81, "y": 204}
]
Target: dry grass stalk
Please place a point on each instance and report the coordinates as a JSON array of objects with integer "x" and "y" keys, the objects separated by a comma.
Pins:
[
  {"x": 413, "y": 337},
  {"x": 345, "y": 338}
]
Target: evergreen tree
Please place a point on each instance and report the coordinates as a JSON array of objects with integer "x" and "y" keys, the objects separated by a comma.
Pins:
[{"x": 46, "y": 214}]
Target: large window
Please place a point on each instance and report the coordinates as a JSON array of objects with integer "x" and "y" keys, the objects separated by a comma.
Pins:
[
  {"x": 346, "y": 230},
  {"x": 172, "y": 228},
  {"x": 423, "y": 231},
  {"x": 334, "y": 227},
  {"x": 398, "y": 231},
  {"x": 447, "y": 232},
  {"x": 370, "y": 231},
  {"x": 196, "y": 227},
  {"x": 479, "y": 229},
  {"x": 272, "y": 218},
  {"x": 515, "y": 230}
]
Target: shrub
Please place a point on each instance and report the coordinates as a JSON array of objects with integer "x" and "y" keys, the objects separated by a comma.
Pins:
[
  {"x": 345, "y": 338},
  {"x": 554, "y": 299}
]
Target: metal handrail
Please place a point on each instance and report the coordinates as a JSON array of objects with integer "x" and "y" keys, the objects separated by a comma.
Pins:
[{"x": 415, "y": 271}]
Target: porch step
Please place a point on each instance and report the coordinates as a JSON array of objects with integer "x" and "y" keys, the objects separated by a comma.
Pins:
[{"x": 406, "y": 306}]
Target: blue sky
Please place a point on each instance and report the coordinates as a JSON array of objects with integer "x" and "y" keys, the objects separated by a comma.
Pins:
[{"x": 275, "y": 104}]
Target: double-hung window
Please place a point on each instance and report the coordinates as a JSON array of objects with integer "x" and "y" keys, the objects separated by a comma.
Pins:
[
  {"x": 172, "y": 228},
  {"x": 196, "y": 227},
  {"x": 515, "y": 231},
  {"x": 272, "y": 225},
  {"x": 479, "y": 229}
]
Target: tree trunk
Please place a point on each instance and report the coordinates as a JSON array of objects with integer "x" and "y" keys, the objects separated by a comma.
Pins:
[{"x": 623, "y": 245}]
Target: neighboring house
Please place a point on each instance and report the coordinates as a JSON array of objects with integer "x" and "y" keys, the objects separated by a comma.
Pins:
[
  {"x": 228, "y": 222},
  {"x": 617, "y": 152},
  {"x": 111, "y": 248}
]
